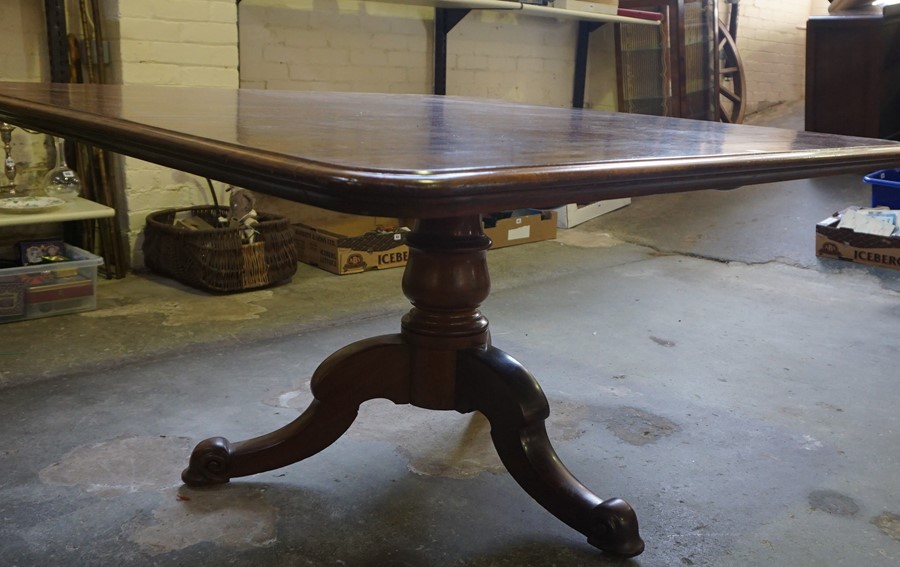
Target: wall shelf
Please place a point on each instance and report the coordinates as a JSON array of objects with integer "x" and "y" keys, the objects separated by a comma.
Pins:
[
  {"x": 448, "y": 13},
  {"x": 79, "y": 209},
  {"x": 626, "y": 17}
]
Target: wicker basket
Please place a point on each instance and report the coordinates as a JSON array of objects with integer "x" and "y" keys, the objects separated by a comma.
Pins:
[{"x": 215, "y": 259}]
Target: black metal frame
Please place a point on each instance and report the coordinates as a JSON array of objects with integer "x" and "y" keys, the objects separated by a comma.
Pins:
[
  {"x": 445, "y": 19},
  {"x": 55, "y": 15}
]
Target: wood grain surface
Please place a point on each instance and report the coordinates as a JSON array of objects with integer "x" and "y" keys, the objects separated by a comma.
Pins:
[{"x": 427, "y": 156}]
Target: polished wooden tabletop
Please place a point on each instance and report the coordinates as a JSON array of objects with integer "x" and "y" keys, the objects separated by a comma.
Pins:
[{"x": 427, "y": 156}]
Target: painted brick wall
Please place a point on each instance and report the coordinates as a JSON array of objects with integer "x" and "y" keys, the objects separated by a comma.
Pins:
[
  {"x": 772, "y": 44},
  {"x": 818, "y": 7},
  {"x": 178, "y": 42},
  {"x": 354, "y": 46},
  {"x": 369, "y": 46},
  {"x": 376, "y": 47},
  {"x": 169, "y": 42},
  {"x": 24, "y": 41}
]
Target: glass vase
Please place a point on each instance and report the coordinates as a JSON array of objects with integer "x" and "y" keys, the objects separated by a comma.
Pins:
[{"x": 62, "y": 181}]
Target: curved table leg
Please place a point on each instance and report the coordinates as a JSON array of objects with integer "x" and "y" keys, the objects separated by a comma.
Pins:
[
  {"x": 492, "y": 382},
  {"x": 369, "y": 369}
]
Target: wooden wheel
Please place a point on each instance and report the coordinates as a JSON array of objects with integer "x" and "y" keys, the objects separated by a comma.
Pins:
[{"x": 732, "y": 81}]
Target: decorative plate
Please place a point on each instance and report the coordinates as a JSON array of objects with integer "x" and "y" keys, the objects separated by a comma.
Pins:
[{"x": 29, "y": 204}]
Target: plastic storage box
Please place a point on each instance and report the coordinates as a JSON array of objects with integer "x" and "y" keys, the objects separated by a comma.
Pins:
[
  {"x": 43, "y": 290},
  {"x": 885, "y": 188}
]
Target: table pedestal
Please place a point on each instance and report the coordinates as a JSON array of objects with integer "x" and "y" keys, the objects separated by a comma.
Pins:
[{"x": 443, "y": 360}]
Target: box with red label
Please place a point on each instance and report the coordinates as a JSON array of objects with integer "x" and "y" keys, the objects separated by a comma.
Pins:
[
  {"x": 845, "y": 244},
  {"x": 349, "y": 244}
]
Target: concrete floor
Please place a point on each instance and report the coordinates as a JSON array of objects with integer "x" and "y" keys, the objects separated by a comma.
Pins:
[{"x": 699, "y": 361}]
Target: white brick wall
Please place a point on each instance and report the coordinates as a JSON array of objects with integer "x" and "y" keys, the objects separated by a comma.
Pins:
[
  {"x": 170, "y": 42},
  {"x": 818, "y": 7},
  {"x": 24, "y": 40},
  {"x": 369, "y": 46},
  {"x": 345, "y": 46},
  {"x": 772, "y": 44},
  {"x": 376, "y": 47},
  {"x": 512, "y": 57}
]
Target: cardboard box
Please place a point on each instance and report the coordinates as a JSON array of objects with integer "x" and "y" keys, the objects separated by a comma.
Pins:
[
  {"x": 844, "y": 244},
  {"x": 521, "y": 227},
  {"x": 349, "y": 244},
  {"x": 573, "y": 215}
]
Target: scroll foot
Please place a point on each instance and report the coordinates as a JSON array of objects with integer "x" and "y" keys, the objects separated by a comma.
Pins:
[
  {"x": 210, "y": 463},
  {"x": 373, "y": 368},
  {"x": 614, "y": 528},
  {"x": 492, "y": 382}
]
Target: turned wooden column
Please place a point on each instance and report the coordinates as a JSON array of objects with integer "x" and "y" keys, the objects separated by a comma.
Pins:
[{"x": 446, "y": 279}]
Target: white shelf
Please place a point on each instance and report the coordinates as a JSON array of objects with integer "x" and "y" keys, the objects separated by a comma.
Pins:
[
  {"x": 461, "y": 4},
  {"x": 528, "y": 9},
  {"x": 79, "y": 209},
  {"x": 548, "y": 12}
]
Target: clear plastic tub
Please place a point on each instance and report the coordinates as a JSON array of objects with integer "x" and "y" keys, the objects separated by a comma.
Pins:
[{"x": 44, "y": 290}]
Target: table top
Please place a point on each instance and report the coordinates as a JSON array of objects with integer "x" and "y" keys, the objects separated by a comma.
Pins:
[
  {"x": 77, "y": 209},
  {"x": 423, "y": 155}
]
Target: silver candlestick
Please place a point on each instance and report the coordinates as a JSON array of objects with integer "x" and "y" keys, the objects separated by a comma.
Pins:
[{"x": 9, "y": 164}]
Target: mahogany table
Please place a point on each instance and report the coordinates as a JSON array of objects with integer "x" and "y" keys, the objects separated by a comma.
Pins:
[{"x": 443, "y": 161}]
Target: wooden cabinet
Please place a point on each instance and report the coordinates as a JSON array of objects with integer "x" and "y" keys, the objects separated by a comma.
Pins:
[
  {"x": 670, "y": 70},
  {"x": 853, "y": 74}
]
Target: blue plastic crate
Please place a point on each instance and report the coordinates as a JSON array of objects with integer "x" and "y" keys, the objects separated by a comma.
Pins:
[{"x": 885, "y": 188}]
